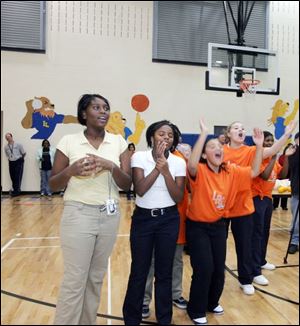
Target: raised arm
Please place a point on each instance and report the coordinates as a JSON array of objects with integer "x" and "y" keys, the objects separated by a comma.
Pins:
[
  {"x": 258, "y": 139},
  {"x": 285, "y": 168},
  {"x": 197, "y": 150},
  {"x": 270, "y": 151},
  {"x": 269, "y": 168}
]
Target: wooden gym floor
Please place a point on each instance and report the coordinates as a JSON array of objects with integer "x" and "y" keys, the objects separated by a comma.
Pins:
[{"x": 31, "y": 271}]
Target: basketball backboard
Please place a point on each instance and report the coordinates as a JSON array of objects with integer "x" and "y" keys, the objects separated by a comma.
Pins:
[{"x": 229, "y": 64}]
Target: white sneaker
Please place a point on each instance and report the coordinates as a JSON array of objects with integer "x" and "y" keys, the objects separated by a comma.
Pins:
[
  {"x": 268, "y": 266},
  {"x": 218, "y": 310},
  {"x": 200, "y": 321},
  {"x": 247, "y": 288},
  {"x": 261, "y": 280}
]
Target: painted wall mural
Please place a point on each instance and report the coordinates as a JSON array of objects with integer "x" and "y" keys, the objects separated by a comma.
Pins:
[
  {"x": 280, "y": 119},
  {"x": 42, "y": 117},
  {"x": 117, "y": 124}
]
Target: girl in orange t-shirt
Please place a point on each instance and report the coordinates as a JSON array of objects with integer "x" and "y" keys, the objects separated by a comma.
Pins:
[
  {"x": 235, "y": 151},
  {"x": 262, "y": 187},
  {"x": 214, "y": 187}
]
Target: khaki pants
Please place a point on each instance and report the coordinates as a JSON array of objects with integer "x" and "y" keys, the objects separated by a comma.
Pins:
[{"x": 87, "y": 239}]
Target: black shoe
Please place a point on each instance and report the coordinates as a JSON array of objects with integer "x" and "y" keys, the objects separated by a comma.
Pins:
[
  {"x": 15, "y": 194},
  {"x": 180, "y": 303},
  {"x": 186, "y": 250},
  {"x": 145, "y": 311},
  {"x": 293, "y": 249},
  {"x": 285, "y": 208}
]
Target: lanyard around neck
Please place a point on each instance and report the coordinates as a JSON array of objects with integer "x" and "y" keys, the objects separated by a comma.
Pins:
[{"x": 11, "y": 148}]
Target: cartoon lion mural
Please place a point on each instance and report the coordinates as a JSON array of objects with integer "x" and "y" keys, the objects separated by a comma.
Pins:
[
  {"x": 278, "y": 118},
  {"x": 41, "y": 116},
  {"x": 117, "y": 125}
]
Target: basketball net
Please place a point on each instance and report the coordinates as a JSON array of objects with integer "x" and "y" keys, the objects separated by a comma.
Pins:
[{"x": 249, "y": 87}]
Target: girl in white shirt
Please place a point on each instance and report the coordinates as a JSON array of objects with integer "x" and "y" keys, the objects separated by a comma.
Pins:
[{"x": 159, "y": 179}]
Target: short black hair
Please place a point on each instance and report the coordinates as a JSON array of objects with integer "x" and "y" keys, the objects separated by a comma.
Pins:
[
  {"x": 267, "y": 134},
  {"x": 45, "y": 140},
  {"x": 83, "y": 104},
  {"x": 156, "y": 125},
  {"x": 131, "y": 144}
]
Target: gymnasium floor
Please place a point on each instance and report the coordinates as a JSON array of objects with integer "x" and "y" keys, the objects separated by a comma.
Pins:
[{"x": 31, "y": 271}]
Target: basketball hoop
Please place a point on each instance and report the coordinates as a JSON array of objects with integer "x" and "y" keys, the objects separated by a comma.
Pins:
[{"x": 249, "y": 86}]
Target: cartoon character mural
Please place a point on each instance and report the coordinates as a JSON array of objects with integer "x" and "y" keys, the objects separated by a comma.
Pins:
[
  {"x": 278, "y": 118},
  {"x": 117, "y": 123},
  {"x": 41, "y": 116}
]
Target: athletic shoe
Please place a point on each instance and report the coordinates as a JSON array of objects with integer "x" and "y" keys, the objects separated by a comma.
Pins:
[
  {"x": 180, "y": 303},
  {"x": 145, "y": 311},
  {"x": 247, "y": 288},
  {"x": 268, "y": 266},
  {"x": 261, "y": 280},
  {"x": 293, "y": 248},
  {"x": 200, "y": 321},
  {"x": 218, "y": 310}
]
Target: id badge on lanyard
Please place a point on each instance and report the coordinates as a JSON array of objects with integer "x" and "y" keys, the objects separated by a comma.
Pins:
[{"x": 111, "y": 204}]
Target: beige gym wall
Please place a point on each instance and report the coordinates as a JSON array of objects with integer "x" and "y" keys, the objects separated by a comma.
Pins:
[{"x": 106, "y": 48}]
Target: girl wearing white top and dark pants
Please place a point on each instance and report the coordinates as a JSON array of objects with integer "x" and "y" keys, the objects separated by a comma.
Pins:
[{"x": 158, "y": 178}]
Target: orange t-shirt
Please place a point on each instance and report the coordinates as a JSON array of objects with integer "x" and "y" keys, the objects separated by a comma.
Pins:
[
  {"x": 214, "y": 194},
  {"x": 242, "y": 156},
  {"x": 182, "y": 208},
  {"x": 261, "y": 187}
]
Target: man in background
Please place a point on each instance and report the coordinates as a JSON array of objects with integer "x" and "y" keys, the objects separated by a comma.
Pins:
[{"x": 15, "y": 154}]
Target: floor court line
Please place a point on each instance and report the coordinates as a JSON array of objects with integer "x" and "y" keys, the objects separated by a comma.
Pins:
[
  {"x": 37, "y": 238},
  {"x": 109, "y": 291},
  {"x": 7, "y": 245},
  {"x": 46, "y": 238},
  {"x": 37, "y": 247}
]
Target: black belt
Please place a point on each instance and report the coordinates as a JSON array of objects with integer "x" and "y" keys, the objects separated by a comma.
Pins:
[{"x": 154, "y": 212}]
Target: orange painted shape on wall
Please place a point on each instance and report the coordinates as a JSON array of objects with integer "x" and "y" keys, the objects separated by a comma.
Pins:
[{"x": 140, "y": 102}]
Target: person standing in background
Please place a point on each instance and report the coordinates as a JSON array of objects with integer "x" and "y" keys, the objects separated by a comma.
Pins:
[
  {"x": 222, "y": 139},
  {"x": 15, "y": 154},
  {"x": 45, "y": 157}
]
